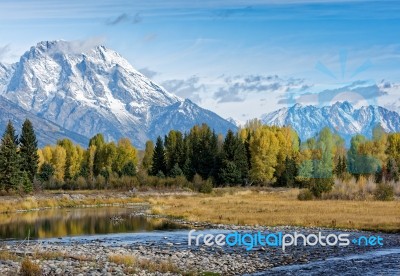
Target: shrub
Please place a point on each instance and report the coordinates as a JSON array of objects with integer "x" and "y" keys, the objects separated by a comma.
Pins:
[
  {"x": 200, "y": 185},
  {"x": 384, "y": 192},
  {"x": 351, "y": 189},
  {"x": 100, "y": 182},
  {"x": 81, "y": 183},
  {"x": 318, "y": 186},
  {"x": 29, "y": 268},
  {"x": 206, "y": 187},
  {"x": 305, "y": 194}
]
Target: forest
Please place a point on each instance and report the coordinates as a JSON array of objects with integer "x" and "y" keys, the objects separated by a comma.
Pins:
[{"x": 256, "y": 155}]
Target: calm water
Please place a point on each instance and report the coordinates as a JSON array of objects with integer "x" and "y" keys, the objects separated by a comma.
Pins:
[{"x": 54, "y": 223}]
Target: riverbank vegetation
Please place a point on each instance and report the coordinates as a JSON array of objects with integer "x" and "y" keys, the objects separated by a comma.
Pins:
[
  {"x": 200, "y": 160},
  {"x": 279, "y": 207},
  {"x": 242, "y": 206}
]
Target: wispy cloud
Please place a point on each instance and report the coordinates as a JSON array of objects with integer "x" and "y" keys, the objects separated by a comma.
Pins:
[
  {"x": 137, "y": 18},
  {"x": 148, "y": 72},
  {"x": 236, "y": 89},
  {"x": 119, "y": 19},
  {"x": 79, "y": 46},
  {"x": 190, "y": 88},
  {"x": 355, "y": 92},
  {"x": 4, "y": 51},
  {"x": 125, "y": 18}
]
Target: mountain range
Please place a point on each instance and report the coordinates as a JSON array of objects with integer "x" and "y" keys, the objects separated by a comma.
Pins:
[
  {"x": 73, "y": 94},
  {"x": 342, "y": 117}
]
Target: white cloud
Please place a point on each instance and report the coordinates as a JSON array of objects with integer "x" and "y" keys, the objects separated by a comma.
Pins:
[{"x": 4, "y": 51}]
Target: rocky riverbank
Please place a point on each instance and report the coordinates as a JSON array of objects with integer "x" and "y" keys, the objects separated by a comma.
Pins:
[{"x": 168, "y": 253}]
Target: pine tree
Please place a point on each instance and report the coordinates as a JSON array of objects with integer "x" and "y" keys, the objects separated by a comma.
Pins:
[
  {"x": 174, "y": 150},
  {"x": 202, "y": 152},
  {"x": 288, "y": 176},
  {"x": 159, "y": 164},
  {"x": 46, "y": 171},
  {"x": 29, "y": 150},
  {"x": 234, "y": 167},
  {"x": 10, "y": 163},
  {"x": 176, "y": 171},
  {"x": 392, "y": 170}
]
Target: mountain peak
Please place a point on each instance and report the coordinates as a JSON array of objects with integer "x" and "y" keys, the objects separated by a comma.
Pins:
[
  {"x": 92, "y": 89},
  {"x": 341, "y": 117}
]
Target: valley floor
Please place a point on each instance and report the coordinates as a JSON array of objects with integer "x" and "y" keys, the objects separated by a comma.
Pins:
[
  {"x": 235, "y": 206},
  {"x": 227, "y": 209}
]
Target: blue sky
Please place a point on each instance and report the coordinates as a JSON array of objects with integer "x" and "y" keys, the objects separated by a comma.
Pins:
[{"x": 238, "y": 58}]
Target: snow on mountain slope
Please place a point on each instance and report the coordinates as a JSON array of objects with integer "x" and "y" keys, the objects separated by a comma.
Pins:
[
  {"x": 342, "y": 118},
  {"x": 182, "y": 116},
  {"x": 46, "y": 131},
  {"x": 97, "y": 91}
]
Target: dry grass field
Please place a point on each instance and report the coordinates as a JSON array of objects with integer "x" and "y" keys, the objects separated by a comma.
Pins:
[
  {"x": 269, "y": 207},
  {"x": 66, "y": 199},
  {"x": 280, "y": 207}
]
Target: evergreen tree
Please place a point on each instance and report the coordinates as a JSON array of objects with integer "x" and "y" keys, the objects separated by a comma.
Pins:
[
  {"x": 202, "y": 152},
  {"x": 340, "y": 168},
  {"x": 29, "y": 150},
  {"x": 288, "y": 176},
  {"x": 176, "y": 171},
  {"x": 159, "y": 164},
  {"x": 26, "y": 183},
  {"x": 234, "y": 167},
  {"x": 229, "y": 173},
  {"x": 392, "y": 170},
  {"x": 46, "y": 171},
  {"x": 10, "y": 163},
  {"x": 174, "y": 150}
]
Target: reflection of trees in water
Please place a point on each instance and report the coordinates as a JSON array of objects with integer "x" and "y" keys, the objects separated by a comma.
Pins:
[{"x": 72, "y": 222}]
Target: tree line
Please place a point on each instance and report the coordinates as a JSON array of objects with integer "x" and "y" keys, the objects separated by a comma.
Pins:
[{"x": 255, "y": 155}]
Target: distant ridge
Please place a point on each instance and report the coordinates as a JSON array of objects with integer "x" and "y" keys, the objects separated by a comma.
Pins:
[{"x": 341, "y": 117}]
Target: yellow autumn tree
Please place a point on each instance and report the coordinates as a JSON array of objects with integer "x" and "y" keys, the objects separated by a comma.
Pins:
[
  {"x": 47, "y": 152},
  {"x": 125, "y": 153},
  {"x": 41, "y": 158},
  {"x": 58, "y": 161},
  {"x": 264, "y": 147}
]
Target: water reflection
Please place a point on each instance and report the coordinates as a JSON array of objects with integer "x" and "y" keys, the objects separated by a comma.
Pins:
[{"x": 72, "y": 222}]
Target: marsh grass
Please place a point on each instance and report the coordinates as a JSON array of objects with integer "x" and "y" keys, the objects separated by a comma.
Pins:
[
  {"x": 30, "y": 268},
  {"x": 11, "y": 204},
  {"x": 7, "y": 255},
  {"x": 281, "y": 207},
  {"x": 133, "y": 263}
]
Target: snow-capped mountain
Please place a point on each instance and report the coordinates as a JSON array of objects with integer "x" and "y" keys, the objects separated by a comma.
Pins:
[
  {"x": 97, "y": 91},
  {"x": 342, "y": 118}
]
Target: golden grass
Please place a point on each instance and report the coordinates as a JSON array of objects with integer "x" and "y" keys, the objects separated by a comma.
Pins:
[
  {"x": 127, "y": 260},
  {"x": 132, "y": 263},
  {"x": 7, "y": 255},
  {"x": 280, "y": 207},
  {"x": 29, "y": 268},
  {"x": 10, "y": 204}
]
